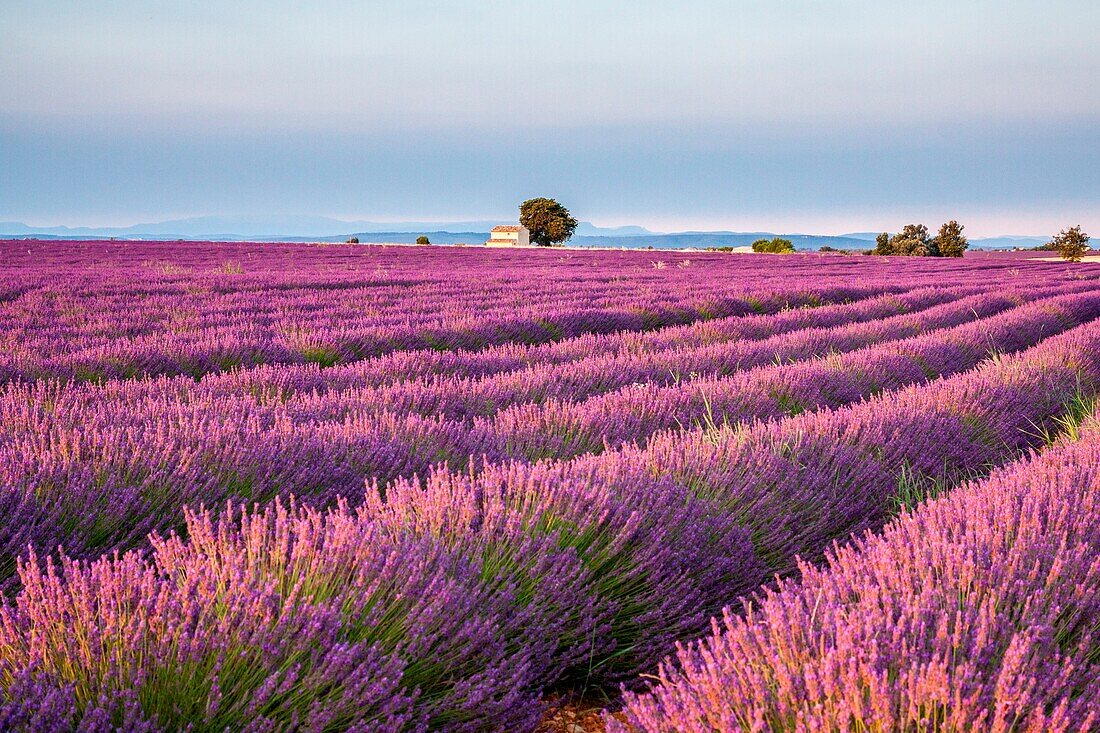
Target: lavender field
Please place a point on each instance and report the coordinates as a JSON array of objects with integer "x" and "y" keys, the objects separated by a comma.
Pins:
[{"x": 264, "y": 487}]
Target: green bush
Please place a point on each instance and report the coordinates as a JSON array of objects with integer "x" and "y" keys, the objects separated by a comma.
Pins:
[
  {"x": 776, "y": 245},
  {"x": 914, "y": 241}
]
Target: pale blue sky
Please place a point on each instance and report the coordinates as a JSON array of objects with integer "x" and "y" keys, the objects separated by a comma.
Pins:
[{"x": 812, "y": 115}]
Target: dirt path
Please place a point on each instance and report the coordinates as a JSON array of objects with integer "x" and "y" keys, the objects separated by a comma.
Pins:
[{"x": 574, "y": 716}]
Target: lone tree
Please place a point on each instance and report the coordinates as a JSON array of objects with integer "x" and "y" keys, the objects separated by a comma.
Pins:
[
  {"x": 549, "y": 222},
  {"x": 1071, "y": 243},
  {"x": 422, "y": 240},
  {"x": 950, "y": 242},
  {"x": 775, "y": 245}
]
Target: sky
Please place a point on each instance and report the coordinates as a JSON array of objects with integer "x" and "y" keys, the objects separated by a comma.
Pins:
[{"x": 823, "y": 116}]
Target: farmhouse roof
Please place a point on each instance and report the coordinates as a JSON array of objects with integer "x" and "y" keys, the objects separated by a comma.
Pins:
[{"x": 507, "y": 228}]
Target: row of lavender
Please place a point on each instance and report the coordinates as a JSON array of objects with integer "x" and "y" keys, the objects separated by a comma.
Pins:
[
  {"x": 505, "y": 366},
  {"x": 711, "y": 348},
  {"x": 978, "y": 611},
  {"x": 96, "y": 468},
  {"x": 65, "y": 316},
  {"x": 100, "y": 316},
  {"x": 455, "y": 602}
]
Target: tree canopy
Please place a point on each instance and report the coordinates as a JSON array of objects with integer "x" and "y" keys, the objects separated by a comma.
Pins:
[
  {"x": 549, "y": 222},
  {"x": 950, "y": 242},
  {"x": 1071, "y": 243},
  {"x": 911, "y": 241},
  {"x": 914, "y": 241}
]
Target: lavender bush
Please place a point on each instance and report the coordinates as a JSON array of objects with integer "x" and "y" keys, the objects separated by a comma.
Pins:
[
  {"x": 976, "y": 611},
  {"x": 290, "y": 487}
]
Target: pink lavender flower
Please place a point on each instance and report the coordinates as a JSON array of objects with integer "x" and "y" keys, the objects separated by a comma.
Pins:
[{"x": 976, "y": 611}]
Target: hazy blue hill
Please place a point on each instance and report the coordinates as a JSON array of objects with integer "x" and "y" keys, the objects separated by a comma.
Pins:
[
  {"x": 210, "y": 227},
  {"x": 586, "y": 229},
  {"x": 1008, "y": 242},
  {"x": 701, "y": 240},
  {"x": 321, "y": 228},
  {"x": 692, "y": 240},
  {"x": 282, "y": 227},
  {"x": 435, "y": 237}
]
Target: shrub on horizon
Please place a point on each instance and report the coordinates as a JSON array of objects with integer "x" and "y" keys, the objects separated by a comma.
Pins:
[
  {"x": 826, "y": 249},
  {"x": 775, "y": 245},
  {"x": 914, "y": 241},
  {"x": 911, "y": 241}
]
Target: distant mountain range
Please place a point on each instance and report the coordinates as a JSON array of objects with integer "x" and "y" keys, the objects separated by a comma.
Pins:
[
  {"x": 271, "y": 228},
  {"x": 321, "y": 228}
]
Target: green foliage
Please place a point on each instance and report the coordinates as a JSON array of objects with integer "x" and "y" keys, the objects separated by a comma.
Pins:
[
  {"x": 353, "y": 240},
  {"x": 422, "y": 240},
  {"x": 1076, "y": 410},
  {"x": 882, "y": 244},
  {"x": 914, "y": 241},
  {"x": 950, "y": 242},
  {"x": 1072, "y": 244},
  {"x": 326, "y": 356},
  {"x": 914, "y": 488},
  {"x": 549, "y": 222},
  {"x": 776, "y": 245}
]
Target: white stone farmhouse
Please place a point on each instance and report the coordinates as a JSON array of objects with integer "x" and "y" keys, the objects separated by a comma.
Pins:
[{"x": 509, "y": 236}]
